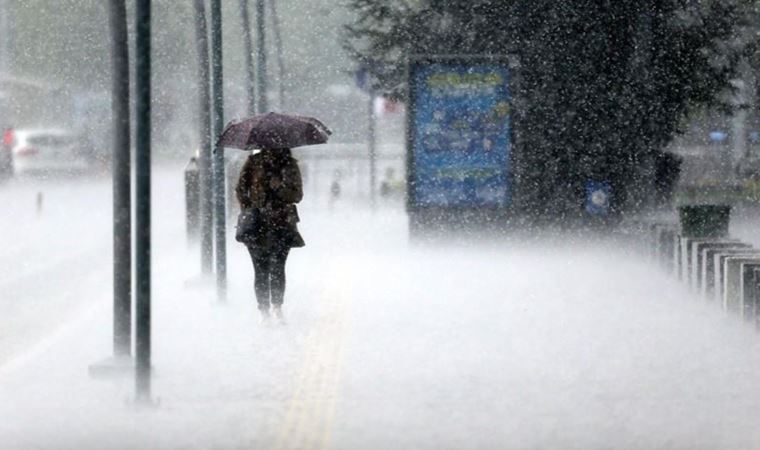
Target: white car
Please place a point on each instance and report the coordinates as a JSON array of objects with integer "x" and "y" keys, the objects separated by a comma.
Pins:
[{"x": 50, "y": 150}]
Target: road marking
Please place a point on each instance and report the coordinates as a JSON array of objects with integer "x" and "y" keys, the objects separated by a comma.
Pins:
[
  {"x": 40, "y": 269},
  {"x": 311, "y": 411},
  {"x": 62, "y": 332}
]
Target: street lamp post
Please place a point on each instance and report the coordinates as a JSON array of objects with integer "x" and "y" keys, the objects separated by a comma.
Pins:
[
  {"x": 372, "y": 146},
  {"x": 5, "y": 32},
  {"x": 122, "y": 183},
  {"x": 220, "y": 226},
  {"x": 261, "y": 57},
  {"x": 206, "y": 196},
  {"x": 276, "y": 28},
  {"x": 143, "y": 192},
  {"x": 248, "y": 49}
]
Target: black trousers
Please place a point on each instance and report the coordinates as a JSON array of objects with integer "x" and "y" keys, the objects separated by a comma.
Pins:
[{"x": 269, "y": 270}]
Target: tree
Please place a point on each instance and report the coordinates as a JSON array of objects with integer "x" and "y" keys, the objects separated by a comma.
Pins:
[{"x": 604, "y": 85}]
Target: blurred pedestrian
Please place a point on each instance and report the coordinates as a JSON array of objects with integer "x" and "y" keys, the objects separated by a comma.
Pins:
[
  {"x": 335, "y": 188},
  {"x": 390, "y": 184},
  {"x": 269, "y": 186},
  {"x": 40, "y": 201}
]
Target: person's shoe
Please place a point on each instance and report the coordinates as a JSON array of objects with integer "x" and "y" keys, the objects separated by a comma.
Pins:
[
  {"x": 266, "y": 318},
  {"x": 278, "y": 314}
]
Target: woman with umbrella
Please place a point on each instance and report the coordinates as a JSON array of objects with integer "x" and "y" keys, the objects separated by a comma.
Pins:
[
  {"x": 268, "y": 189},
  {"x": 270, "y": 184}
]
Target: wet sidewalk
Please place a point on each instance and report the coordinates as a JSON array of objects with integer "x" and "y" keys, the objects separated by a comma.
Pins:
[{"x": 392, "y": 345}]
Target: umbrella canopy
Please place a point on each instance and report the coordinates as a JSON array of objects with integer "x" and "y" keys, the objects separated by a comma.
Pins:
[{"x": 273, "y": 130}]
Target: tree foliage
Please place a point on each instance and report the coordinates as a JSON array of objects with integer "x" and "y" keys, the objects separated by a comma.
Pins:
[{"x": 603, "y": 85}]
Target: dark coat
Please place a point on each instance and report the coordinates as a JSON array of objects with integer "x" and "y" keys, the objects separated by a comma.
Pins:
[{"x": 270, "y": 182}]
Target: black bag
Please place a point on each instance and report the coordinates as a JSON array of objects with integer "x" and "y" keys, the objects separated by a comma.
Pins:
[{"x": 248, "y": 225}]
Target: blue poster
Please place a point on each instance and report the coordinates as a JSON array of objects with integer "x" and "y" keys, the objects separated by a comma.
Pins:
[{"x": 460, "y": 142}]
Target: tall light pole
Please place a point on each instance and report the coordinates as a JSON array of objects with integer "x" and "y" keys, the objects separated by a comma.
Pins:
[
  {"x": 372, "y": 145},
  {"x": 276, "y": 28},
  {"x": 122, "y": 183},
  {"x": 6, "y": 42},
  {"x": 261, "y": 57},
  {"x": 206, "y": 195},
  {"x": 220, "y": 226},
  {"x": 143, "y": 192},
  {"x": 5, "y": 32},
  {"x": 645, "y": 172},
  {"x": 248, "y": 49}
]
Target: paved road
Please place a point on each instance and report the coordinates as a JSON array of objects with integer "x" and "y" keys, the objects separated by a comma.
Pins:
[
  {"x": 56, "y": 255},
  {"x": 512, "y": 344}
]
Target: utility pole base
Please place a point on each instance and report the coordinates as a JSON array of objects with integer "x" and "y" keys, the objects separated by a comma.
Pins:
[
  {"x": 200, "y": 281},
  {"x": 113, "y": 367},
  {"x": 143, "y": 404}
]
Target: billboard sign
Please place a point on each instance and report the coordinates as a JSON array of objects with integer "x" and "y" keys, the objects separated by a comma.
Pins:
[{"x": 460, "y": 137}]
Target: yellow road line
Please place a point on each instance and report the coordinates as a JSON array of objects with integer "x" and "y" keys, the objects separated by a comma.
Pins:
[
  {"x": 311, "y": 411},
  {"x": 330, "y": 417}
]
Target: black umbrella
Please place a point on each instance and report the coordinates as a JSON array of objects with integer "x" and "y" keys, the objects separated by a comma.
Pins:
[{"x": 273, "y": 130}]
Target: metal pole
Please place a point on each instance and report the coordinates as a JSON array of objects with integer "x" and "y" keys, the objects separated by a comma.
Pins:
[
  {"x": 371, "y": 143},
  {"x": 5, "y": 32},
  {"x": 192, "y": 200},
  {"x": 122, "y": 183},
  {"x": 143, "y": 191},
  {"x": 204, "y": 84},
  {"x": 248, "y": 48},
  {"x": 261, "y": 57},
  {"x": 643, "y": 193},
  {"x": 220, "y": 226},
  {"x": 278, "y": 47}
]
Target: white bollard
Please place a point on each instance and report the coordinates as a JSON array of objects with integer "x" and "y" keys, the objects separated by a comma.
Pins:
[
  {"x": 733, "y": 282},
  {"x": 707, "y": 277},
  {"x": 683, "y": 254},
  {"x": 748, "y": 289},
  {"x": 689, "y": 258},
  {"x": 719, "y": 262},
  {"x": 676, "y": 255},
  {"x": 695, "y": 276}
]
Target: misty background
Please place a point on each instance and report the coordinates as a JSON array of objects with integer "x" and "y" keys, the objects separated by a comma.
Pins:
[{"x": 59, "y": 66}]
